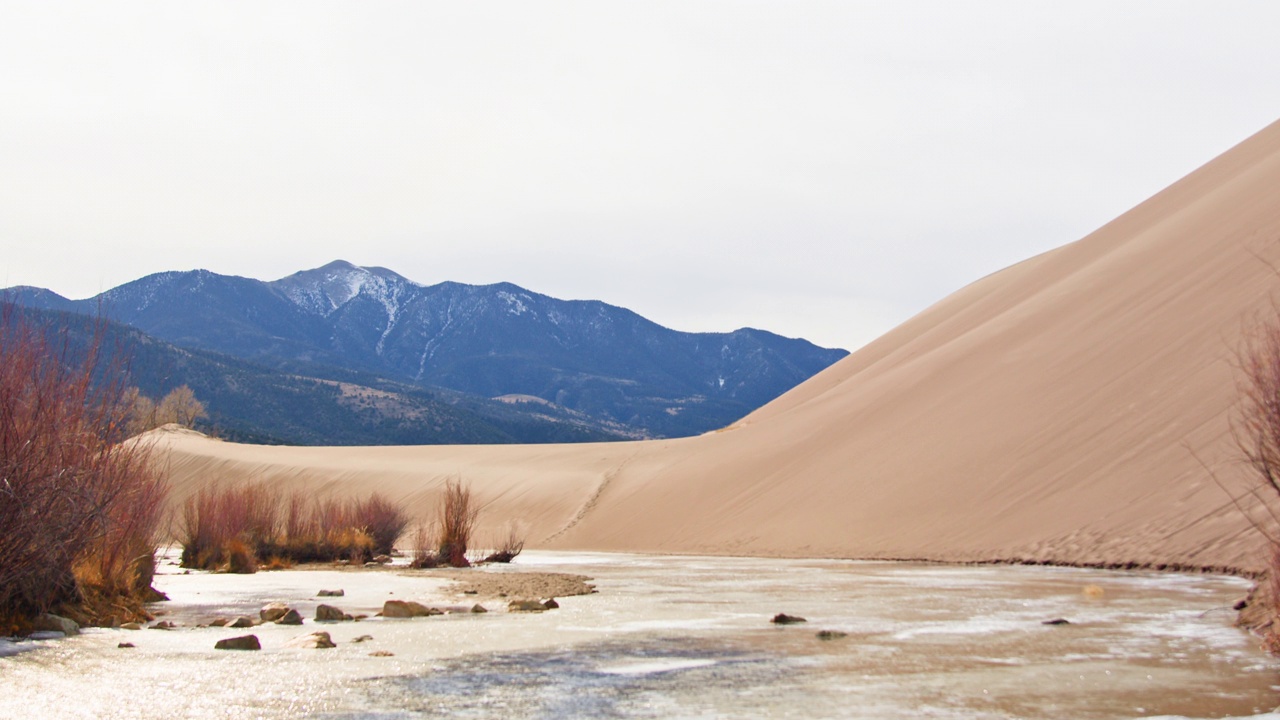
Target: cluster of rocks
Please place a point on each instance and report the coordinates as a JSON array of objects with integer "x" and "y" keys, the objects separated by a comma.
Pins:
[
  {"x": 51, "y": 626},
  {"x": 823, "y": 635}
]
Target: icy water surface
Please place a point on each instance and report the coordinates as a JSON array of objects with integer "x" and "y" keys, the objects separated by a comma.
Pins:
[{"x": 685, "y": 637}]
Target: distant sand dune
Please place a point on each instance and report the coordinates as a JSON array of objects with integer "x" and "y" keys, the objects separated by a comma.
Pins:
[{"x": 1048, "y": 412}]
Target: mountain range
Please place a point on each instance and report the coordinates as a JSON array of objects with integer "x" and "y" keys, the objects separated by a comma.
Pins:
[{"x": 607, "y": 368}]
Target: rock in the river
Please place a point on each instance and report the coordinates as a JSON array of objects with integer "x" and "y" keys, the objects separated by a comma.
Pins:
[
  {"x": 331, "y": 593},
  {"x": 318, "y": 640},
  {"x": 831, "y": 635},
  {"x": 1056, "y": 621},
  {"x": 291, "y": 617},
  {"x": 243, "y": 642},
  {"x": 478, "y": 608},
  {"x": 273, "y": 611},
  {"x": 407, "y": 609},
  {"x": 330, "y": 613},
  {"x": 243, "y": 621},
  {"x": 525, "y": 606},
  {"x": 550, "y": 604},
  {"x": 56, "y": 623},
  {"x": 785, "y": 619}
]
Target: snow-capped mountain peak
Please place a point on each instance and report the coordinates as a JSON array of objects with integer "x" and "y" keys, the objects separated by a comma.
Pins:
[{"x": 323, "y": 290}]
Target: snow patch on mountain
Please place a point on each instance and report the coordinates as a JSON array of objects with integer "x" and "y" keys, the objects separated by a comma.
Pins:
[{"x": 515, "y": 305}]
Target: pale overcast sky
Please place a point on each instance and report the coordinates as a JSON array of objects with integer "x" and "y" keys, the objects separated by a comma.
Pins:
[{"x": 818, "y": 169}]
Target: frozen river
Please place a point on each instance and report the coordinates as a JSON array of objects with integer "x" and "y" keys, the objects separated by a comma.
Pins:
[{"x": 682, "y": 637}]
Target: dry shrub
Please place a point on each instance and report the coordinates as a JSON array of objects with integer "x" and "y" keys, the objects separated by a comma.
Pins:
[
  {"x": 78, "y": 512},
  {"x": 1256, "y": 430},
  {"x": 382, "y": 519},
  {"x": 1256, "y": 425},
  {"x": 423, "y": 546},
  {"x": 122, "y": 560},
  {"x": 457, "y": 518},
  {"x": 288, "y": 529},
  {"x": 276, "y": 562},
  {"x": 216, "y": 518},
  {"x": 240, "y": 558},
  {"x": 509, "y": 546}
]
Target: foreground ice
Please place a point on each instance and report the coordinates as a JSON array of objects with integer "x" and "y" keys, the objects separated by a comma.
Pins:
[{"x": 681, "y": 637}]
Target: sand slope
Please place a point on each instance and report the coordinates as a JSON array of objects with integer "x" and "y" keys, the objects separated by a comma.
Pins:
[{"x": 1048, "y": 411}]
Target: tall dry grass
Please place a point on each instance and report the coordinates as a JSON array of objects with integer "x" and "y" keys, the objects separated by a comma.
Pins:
[
  {"x": 78, "y": 512},
  {"x": 423, "y": 545},
  {"x": 509, "y": 545},
  {"x": 457, "y": 521},
  {"x": 262, "y": 524}
]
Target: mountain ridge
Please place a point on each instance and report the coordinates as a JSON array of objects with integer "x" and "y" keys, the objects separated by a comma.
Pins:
[{"x": 495, "y": 340}]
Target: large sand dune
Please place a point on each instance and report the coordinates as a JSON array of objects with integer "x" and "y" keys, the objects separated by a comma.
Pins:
[{"x": 1049, "y": 411}]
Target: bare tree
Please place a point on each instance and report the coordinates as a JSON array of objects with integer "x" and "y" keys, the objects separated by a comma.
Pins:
[{"x": 180, "y": 406}]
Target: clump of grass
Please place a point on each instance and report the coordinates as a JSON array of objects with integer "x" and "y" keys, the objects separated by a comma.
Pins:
[
  {"x": 457, "y": 518},
  {"x": 509, "y": 546},
  {"x": 287, "y": 529},
  {"x": 240, "y": 558},
  {"x": 275, "y": 562},
  {"x": 423, "y": 546},
  {"x": 78, "y": 509},
  {"x": 446, "y": 540},
  {"x": 217, "y": 520},
  {"x": 384, "y": 521}
]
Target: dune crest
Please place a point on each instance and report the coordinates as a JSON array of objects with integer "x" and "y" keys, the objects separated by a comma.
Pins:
[{"x": 1047, "y": 412}]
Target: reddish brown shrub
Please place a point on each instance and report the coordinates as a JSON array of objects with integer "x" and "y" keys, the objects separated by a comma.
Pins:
[
  {"x": 1257, "y": 423},
  {"x": 508, "y": 546},
  {"x": 382, "y": 519},
  {"x": 240, "y": 558},
  {"x": 76, "y": 509},
  {"x": 423, "y": 546},
  {"x": 288, "y": 529},
  {"x": 457, "y": 518}
]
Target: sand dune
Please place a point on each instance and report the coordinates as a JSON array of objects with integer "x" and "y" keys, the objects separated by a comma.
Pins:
[{"x": 1049, "y": 411}]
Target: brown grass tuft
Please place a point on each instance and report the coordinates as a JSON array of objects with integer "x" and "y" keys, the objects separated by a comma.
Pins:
[
  {"x": 457, "y": 518},
  {"x": 423, "y": 546},
  {"x": 289, "y": 529},
  {"x": 510, "y": 545}
]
